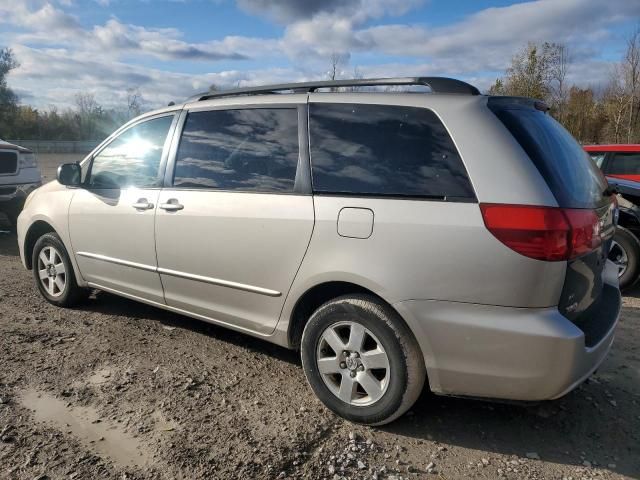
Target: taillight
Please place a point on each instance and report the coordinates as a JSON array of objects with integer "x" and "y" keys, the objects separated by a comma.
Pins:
[{"x": 544, "y": 233}]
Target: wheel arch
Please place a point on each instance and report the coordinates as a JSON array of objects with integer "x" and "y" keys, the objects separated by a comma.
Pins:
[
  {"x": 317, "y": 295},
  {"x": 35, "y": 231},
  {"x": 630, "y": 220},
  {"x": 41, "y": 225}
]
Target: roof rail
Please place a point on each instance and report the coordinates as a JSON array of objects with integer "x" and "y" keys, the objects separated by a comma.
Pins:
[{"x": 436, "y": 84}]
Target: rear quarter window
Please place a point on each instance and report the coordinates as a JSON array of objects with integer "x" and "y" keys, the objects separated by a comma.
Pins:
[
  {"x": 574, "y": 180},
  {"x": 624, "y": 163},
  {"x": 381, "y": 150}
]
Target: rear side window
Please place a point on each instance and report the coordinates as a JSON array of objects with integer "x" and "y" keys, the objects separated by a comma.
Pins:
[
  {"x": 572, "y": 177},
  {"x": 253, "y": 150},
  {"x": 384, "y": 150},
  {"x": 624, "y": 164}
]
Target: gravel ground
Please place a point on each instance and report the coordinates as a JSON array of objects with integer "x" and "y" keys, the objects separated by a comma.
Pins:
[{"x": 119, "y": 390}]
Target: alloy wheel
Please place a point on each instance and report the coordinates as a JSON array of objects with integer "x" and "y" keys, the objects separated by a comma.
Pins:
[
  {"x": 51, "y": 271},
  {"x": 353, "y": 363},
  {"x": 618, "y": 255}
]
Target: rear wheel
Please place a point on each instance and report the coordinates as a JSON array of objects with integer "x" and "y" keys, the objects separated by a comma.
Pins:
[
  {"x": 625, "y": 253},
  {"x": 361, "y": 360},
  {"x": 53, "y": 272}
]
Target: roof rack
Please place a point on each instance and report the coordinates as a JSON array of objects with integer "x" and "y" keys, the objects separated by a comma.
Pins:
[{"x": 436, "y": 84}]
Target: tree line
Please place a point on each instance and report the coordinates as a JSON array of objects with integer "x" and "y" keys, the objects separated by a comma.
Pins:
[
  {"x": 607, "y": 113},
  {"x": 86, "y": 120}
]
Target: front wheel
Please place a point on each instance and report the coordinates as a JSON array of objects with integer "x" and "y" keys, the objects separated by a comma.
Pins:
[
  {"x": 53, "y": 272},
  {"x": 361, "y": 360},
  {"x": 625, "y": 253}
]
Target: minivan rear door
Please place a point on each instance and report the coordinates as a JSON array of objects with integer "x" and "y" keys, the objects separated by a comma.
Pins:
[
  {"x": 576, "y": 183},
  {"x": 236, "y": 214}
]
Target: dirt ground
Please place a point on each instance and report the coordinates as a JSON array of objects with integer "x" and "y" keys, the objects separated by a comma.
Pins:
[{"x": 119, "y": 390}]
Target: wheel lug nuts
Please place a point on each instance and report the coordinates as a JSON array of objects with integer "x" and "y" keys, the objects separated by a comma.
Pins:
[
  {"x": 361, "y": 368},
  {"x": 345, "y": 353},
  {"x": 353, "y": 374},
  {"x": 343, "y": 365}
]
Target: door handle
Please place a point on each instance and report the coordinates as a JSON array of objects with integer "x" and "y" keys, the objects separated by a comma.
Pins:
[
  {"x": 142, "y": 204},
  {"x": 171, "y": 206}
]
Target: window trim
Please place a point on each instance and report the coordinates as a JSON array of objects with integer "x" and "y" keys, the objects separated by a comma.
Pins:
[
  {"x": 472, "y": 198},
  {"x": 116, "y": 135},
  {"x": 302, "y": 182}
]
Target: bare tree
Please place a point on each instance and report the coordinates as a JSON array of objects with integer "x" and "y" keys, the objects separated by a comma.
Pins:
[
  {"x": 337, "y": 61},
  {"x": 631, "y": 72},
  {"x": 357, "y": 75},
  {"x": 560, "y": 61},
  {"x": 616, "y": 102},
  {"x": 88, "y": 114},
  {"x": 134, "y": 102}
]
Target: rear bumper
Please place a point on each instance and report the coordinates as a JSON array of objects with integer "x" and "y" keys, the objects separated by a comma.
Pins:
[{"x": 509, "y": 353}]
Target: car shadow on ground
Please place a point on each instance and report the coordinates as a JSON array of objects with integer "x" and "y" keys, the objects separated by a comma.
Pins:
[
  {"x": 109, "y": 304},
  {"x": 567, "y": 431}
]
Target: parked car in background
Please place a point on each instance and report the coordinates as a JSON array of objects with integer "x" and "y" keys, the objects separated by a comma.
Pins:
[
  {"x": 391, "y": 237},
  {"x": 19, "y": 176},
  {"x": 621, "y": 165},
  {"x": 618, "y": 161}
]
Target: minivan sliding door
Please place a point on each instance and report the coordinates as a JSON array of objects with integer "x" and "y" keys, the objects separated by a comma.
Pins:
[{"x": 234, "y": 223}]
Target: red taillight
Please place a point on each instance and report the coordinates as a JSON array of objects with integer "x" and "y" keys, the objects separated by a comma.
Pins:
[{"x": 543, "y": 233}]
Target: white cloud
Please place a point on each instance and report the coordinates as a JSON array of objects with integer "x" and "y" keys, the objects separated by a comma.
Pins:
[{"x": 106, "y": 58}]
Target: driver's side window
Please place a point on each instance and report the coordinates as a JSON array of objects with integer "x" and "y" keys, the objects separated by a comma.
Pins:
[{"x": 133, "y": 158}]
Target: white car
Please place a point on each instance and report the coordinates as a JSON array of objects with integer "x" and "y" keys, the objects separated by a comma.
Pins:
[{"x": 19, "y": 176}]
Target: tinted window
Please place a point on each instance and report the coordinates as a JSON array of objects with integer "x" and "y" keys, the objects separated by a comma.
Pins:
[
  {"x": 383, "y": 150},
  {"x": 248, "y": 149},
  {"x": 132, "y": 158},
  {"x": 624, "y": 164},
  {"x": 573, "y": 178}
]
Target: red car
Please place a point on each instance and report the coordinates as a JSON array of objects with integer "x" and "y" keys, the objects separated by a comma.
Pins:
[
  {"x": 618, "y": 161},
  {"x": 621, "y": 165}
]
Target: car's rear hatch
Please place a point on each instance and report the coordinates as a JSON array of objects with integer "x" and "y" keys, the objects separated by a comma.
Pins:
[{"x": 579, "y": 188}]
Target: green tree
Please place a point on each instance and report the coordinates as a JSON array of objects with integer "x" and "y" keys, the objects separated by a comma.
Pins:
[
  {"x": 536, "y": 71},
  {"x": 8, "y": 99}
]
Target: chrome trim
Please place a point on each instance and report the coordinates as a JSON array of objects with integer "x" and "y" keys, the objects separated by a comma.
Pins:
[
  {"x": 117, "y": 261},
  {"x": 188, "y": 276},
  {"x": 222, "y": 283}
]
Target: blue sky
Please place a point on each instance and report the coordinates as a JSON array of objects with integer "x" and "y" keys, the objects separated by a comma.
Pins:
[{"x": 169, "y": 49}]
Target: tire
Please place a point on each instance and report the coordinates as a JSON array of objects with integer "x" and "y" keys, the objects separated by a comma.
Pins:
[
  {"x": 399, "y": 381},
  {"x": 625, "y": 252},
  {"x": 59, "y": 287}
]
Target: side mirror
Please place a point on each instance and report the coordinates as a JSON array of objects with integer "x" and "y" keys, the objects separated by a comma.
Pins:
[{"x": 70, "y": 174}]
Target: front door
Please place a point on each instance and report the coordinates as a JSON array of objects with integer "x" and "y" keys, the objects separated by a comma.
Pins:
[
  {"x": 234, "y": 224},
  {"x": 111, "y": 219}
]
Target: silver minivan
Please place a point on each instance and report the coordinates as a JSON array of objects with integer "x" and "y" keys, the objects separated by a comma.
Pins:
[{"x": 393, "y": 237}]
